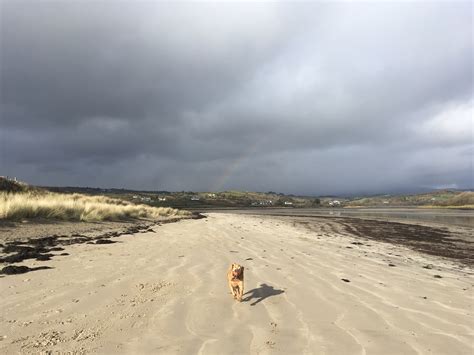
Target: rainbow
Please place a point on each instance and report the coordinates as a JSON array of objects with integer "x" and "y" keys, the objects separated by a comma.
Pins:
[{"x": 233, "y": 166}]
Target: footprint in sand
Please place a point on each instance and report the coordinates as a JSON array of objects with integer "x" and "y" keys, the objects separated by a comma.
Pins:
[
  {"x": 270, "y": 343},
  {"x": 274, "y": 327}
]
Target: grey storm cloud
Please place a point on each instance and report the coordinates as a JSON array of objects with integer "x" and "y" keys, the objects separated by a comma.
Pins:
[{"x": 311, "y": 98}]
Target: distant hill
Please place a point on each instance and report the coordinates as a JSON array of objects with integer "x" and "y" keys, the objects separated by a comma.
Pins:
[
  {"x": 247, "y": 199},
  {"x": 438, "y": 198},
  {"x": 190, "y": 199},
  {"x": 8, "y": 184},
  {"x": 465, "y": 198},
  {"x": 96, "y": 190}
]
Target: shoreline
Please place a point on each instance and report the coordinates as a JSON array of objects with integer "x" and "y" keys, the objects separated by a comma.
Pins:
[{"x": 430, "y": 217}]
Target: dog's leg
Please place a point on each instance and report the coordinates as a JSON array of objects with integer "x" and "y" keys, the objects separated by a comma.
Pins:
[
  {"x": 241, "y": 293},
  {"x": 236, "y": 292},
  {"x": 241, "y": 286},
  {"x": 232, "y": 290}
]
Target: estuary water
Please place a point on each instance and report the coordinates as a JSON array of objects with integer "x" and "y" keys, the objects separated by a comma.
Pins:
[{"x": 454, "y": 217}]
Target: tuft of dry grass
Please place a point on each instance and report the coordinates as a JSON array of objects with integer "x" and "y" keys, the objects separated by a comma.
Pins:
[{"x": 77, "y": 207}]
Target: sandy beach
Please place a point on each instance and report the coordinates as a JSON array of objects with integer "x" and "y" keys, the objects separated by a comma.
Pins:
[{"x": 312, "y": 288}]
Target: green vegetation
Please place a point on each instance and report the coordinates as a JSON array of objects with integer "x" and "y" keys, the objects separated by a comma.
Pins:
[
  {"x": 246, "y": 199},
  {"x": 440, "y": 198},
  {"x": 241, "y": 199},
  {"x": 465, "y": 198}
]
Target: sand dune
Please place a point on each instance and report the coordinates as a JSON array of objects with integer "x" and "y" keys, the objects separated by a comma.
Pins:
[{"x": 310, "y": 291}]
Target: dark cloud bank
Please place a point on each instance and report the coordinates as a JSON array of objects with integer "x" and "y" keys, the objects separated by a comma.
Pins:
[{"x": 299, "y": 98}]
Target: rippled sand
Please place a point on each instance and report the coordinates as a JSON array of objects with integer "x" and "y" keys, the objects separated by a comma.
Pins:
[{"x": 312, "y": 290}]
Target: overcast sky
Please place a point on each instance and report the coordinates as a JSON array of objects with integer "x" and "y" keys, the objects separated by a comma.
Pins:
[{"x": 305, "y": 98}]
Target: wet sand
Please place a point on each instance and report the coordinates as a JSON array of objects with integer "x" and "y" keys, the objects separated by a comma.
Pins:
[{"x": 317, "y": 288}]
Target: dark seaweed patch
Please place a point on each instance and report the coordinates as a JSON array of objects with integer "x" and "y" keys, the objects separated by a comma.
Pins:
[
  {"x": 429, "y": 240},
  {"x": 41, "y": 248},
  {"x": 104, "y": 241},
  {"x": 13, "y": 269}
]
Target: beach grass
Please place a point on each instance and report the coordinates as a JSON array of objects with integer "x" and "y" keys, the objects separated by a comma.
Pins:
[{"x": 77, "y": 207}]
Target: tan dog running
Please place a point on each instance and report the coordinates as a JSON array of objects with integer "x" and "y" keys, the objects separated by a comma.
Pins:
[{"x": 235, "y": 277}]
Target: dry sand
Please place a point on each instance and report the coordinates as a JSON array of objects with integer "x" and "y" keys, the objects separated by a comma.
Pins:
[{"x": 165, "y": 292}]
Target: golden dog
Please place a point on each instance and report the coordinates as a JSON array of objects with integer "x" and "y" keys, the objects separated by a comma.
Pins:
[{"x": 235, "y": 277}]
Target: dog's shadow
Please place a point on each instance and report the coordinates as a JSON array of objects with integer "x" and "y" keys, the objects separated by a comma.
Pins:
[{"x": 260, "y": 293}]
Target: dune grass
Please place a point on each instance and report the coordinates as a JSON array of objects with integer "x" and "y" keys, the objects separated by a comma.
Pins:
[{"x": 76, "y": 207}]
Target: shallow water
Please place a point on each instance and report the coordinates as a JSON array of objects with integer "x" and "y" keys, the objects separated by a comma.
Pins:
[{"x": 447, "y": 217}]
